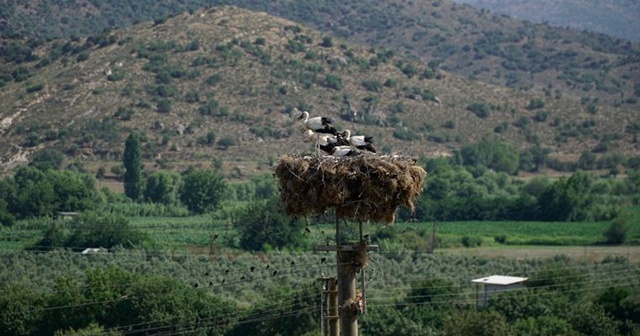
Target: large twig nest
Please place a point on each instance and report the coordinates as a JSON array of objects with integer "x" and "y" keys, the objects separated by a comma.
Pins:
[{"x": 366, "y": 187}]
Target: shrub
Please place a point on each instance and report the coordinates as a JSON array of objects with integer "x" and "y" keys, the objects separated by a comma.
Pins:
[
  {"x": 372, "y": 85},
  {"x": 471, "y": 241},
  {"x": 83, "y": 56},
  {"x": 479, "y": 109},
  {"x": 409, "y": 70},
  {"x": 501, "y": 239},
  {"x": 333, "y": 82},
  {"x": 124, "y": 113},
  {"x": 536, "y": 103},
  {"x": 617, "y": 231},
  {"x": 390, "y": 83},
  {"x": 405, "y": 134},
  {"x": 164, "y": 106},
  {"x": 450, "y": 124},
  {"x": 522, "y": 122},
  {"x": 35, "y": 88},
  {"x": 226, "y": 142},
  {"x": 296, "y": 46},
  {"x": 502, "y": 127},
  {"x": 327, "y": 42},
  {"x": 214, "y": 79},
  {"x": 541, "y": 116},
  {"x": 116, "y": 76}
]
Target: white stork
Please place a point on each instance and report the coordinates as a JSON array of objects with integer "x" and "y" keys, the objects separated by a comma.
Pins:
[
  {"x": 338, "y": 150},
  {"x": 321, "y": 139},
  {"x": 359, "y": 141},
  {"x": 318, "y": 124}
]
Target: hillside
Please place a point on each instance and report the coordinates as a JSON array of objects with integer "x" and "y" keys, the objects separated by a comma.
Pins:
[
  {"x": 223, "y": 83},
  {"x": 612, "y": 17},
  {"x": 457, "y": 38}
]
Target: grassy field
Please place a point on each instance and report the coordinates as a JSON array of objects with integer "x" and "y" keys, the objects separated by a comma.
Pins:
[
  {"x": 199, "y": 232},
  {"x": 524, "y": 233},
  {"x": 581, "y": 253}
]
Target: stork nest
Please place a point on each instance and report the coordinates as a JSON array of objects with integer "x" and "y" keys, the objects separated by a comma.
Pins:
[{"x": 366, "y": 187}]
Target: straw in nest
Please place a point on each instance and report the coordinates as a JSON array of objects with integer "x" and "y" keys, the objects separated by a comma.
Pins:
[{"x": 366, "y": 188}]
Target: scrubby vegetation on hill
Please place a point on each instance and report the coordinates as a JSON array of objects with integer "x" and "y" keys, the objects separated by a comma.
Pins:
[
  {"x": 223, "y": 84},
  {"x": 474, "y": 43}
]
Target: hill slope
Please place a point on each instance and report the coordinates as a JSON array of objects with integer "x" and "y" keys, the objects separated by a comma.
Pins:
[
  {"x": 456, "y": 38},
  {"x": 223, "y": 83},
  {"x": 612, "y": 17}
]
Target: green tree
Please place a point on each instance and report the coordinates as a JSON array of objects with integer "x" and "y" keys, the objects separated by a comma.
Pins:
[
  {"x": 441, "y": 292},
  {"x": 534, "y": 158},
  {"x": 543, "y": 326},
  {"x": 591, "y": 319},
  {"x": 6, "y": 218},
  {"x": 531, "y": 303},
  {"x": 132, "y": 160},
  {"x": 21, "y": 309},
  {"x": 388, "y": 320},
  {"x": 614, "y": 300},
  {"x": 202, "y": 190},
  {"x": 492, "y": 153},
  {"x": 557, "y": 277},
  {"x": 263, "y": 224},
  {"x": 67, "y": 292},
  {"x": 162, "y": 187},
  {"x": 73, "y": 191},
  {"x": 103, "y": 230},
  {"x": 34, "y": 193},
  {"x": 92, "y": 329},
  {"x": 293, "y": 314},
  {"x": 47, "y": 158},
  {"x": 475, "y": 323},
  {"x": 53, "y": 237},
  {"x": 567, "y": 199}
]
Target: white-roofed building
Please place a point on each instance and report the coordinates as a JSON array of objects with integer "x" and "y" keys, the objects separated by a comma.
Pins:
[
  {"x": 495, "y": 284},
  {"x": 92, "y": 250}
]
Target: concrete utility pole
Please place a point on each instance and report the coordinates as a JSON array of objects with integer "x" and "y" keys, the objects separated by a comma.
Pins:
[
  {"x": 349, "y": 304},
  {"x": 329, "y": 309}
]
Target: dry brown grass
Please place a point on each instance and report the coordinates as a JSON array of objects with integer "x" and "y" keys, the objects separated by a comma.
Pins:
[{"x": 366, "y": 188}]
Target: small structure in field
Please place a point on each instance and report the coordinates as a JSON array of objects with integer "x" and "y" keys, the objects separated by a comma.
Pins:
[
  {"x": 363, "y": 188},
  {"x": 495, "y": 284},
  {"x": 92, "y": 250},
  {"x": 67, "y": 215}
]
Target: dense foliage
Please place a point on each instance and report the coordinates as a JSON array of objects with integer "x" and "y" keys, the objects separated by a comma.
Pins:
[
  {"x": 455, "y": 192},
  {"x": 262, "y": 225},
  {"x": 31, "y": 192},
  {"x": 202, "y": 190},
  {"x": 410, "y": 293}
]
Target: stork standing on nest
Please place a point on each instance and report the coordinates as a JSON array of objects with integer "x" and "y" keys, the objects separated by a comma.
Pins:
[
  {"x": 358, "y": 141},
  {"x": 318, "y": 124},
  {"x": 322, "y": 139},
  {"x": 338, "y": 150}
]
